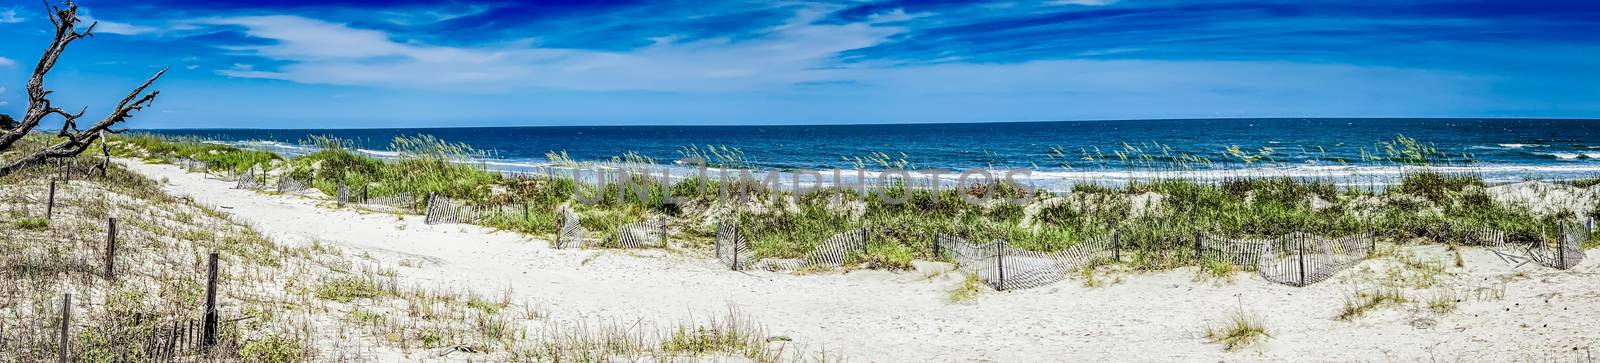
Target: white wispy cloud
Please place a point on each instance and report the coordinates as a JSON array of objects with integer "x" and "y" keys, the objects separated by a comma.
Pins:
[
  {"x": 1084, "y": 2},
  {"x": 6, "y": 62},
  {"x": 798, "y": 50},
  {"x": 9, "y": 16},
  {"x": 112, "y": 27},
  {"x": 433, "y": 15}
]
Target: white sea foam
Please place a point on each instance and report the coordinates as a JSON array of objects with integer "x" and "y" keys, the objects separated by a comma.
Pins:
[
  {"x": 514, "y": 164},
  {"x": 380, "y": 153},
  {"x": 1058, "y": 179}
]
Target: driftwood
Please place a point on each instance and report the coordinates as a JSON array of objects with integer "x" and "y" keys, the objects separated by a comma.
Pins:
[{"x": 74, "y": 140}]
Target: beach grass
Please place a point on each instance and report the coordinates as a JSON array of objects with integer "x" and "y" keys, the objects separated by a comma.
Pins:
[
  {"x": 1238, "y": 331},
  {"x": 279, "y": 303},
  {"x": 1158, "y": 217},
  {"x": 1364, "y": 300}
]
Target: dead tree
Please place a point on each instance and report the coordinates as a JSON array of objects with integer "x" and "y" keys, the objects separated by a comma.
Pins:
[{"x": 73, "y": 140}]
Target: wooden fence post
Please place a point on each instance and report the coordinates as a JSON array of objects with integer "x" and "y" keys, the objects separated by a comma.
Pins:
[
  {"x": 50, "y": 208},
  {"x": 1372, "y": 242},
  {"x": 1116, "y": 246},
  {"x": 663, "y": 231},
  {"x": 862, "y": 233},
  {"x": 1000, "y": 264},
  {"x": 1199, "y": 254},
  {"x": 111, "y": 249},
  {"x": 172, "y": 340},
  {"x": 105, "y": 149},
  {"x": 1302, "y": 249},
  {"x": 735, "y": 251},
  {"x": 209, "y": 335},
  {"x": 1561, "y": 249},
  {"x": 66, "y": 324},
  {"x": 427, "y": 213}
]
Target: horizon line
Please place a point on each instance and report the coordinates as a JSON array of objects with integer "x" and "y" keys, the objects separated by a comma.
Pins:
[{"x": 888, "y": 123}]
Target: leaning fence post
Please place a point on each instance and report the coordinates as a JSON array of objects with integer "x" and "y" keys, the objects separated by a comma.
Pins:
[
  {"x": 66, "y": 323},
  {"x": 209, "y": 329},
  {"x": 427, "y": 214},
  {"x": 50, "y": 208},
  {"x": 735, "y": 251},
  {"x": 364, "y": 198},
  {"x": 111, "y": 248}
]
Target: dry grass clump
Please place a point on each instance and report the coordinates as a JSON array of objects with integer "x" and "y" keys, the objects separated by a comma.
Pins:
[
  {"x": 967, "y": 291},
  {"x": 346, "y": 288},
  {"x": 1217, "y": 271},
  {"x": 733, "y": 333},
  {"x": 730, "y": 336},
  {"x": 1362, "y": 301},
  {"x": 1443, "y": 301},
  {"x": 1237, "y": 331}
]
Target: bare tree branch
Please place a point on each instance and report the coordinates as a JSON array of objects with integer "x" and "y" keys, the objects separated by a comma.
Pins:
[{"x": 65, "y": 18}]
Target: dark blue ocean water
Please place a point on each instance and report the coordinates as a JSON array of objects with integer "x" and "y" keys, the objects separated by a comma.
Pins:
[{"x": 1505, "y": 148}]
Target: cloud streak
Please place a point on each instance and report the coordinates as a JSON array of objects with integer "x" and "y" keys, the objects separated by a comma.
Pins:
[
  {"x": 847, "y": 61},
  {"x": 315, "y": 51},
  {"x": 9, "y": 16}
]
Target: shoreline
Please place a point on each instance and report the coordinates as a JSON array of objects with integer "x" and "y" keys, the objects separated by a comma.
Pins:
[
  {"x": 1369, "y": 177},
  {"x": 866, "y": 315}
]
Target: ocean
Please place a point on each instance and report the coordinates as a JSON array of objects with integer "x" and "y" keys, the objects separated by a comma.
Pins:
[{"x": 1055, "y": 153}]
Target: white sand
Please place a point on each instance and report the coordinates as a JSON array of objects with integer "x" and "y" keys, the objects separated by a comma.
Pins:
[
  {"x": 1545, "y": 314},
  {"x": 1545, "y": 198}
]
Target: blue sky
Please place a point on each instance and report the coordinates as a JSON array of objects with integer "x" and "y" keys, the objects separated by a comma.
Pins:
[{"x": 404, "y": 63}]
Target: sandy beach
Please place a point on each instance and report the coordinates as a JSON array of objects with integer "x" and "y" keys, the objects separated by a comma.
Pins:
[
  {"x": 1529, "y": 313},
  {"x": 799, "y": 181}
]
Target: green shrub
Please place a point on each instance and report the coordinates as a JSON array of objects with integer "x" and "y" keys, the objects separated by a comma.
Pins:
[
  {"x": 273, "y": 349},
  {"x": 346, "y": 289},
  {"x": 33, "y": 224}
]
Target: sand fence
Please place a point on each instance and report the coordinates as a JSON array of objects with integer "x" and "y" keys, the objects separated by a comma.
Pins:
[
  {"x": 1564, "y": 252},
  {"x": 1004, "y": 267},
  {"x": 192, "y": 334},
  {"x": 1295, "y": 259}
]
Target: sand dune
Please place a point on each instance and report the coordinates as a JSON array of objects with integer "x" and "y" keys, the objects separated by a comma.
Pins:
[{"x": 1531, "y": 313}]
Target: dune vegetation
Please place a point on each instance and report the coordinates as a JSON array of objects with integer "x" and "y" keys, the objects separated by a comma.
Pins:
[
  {"x": 1156, "y": 218},
  {"x": 276, "y": 302}
]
